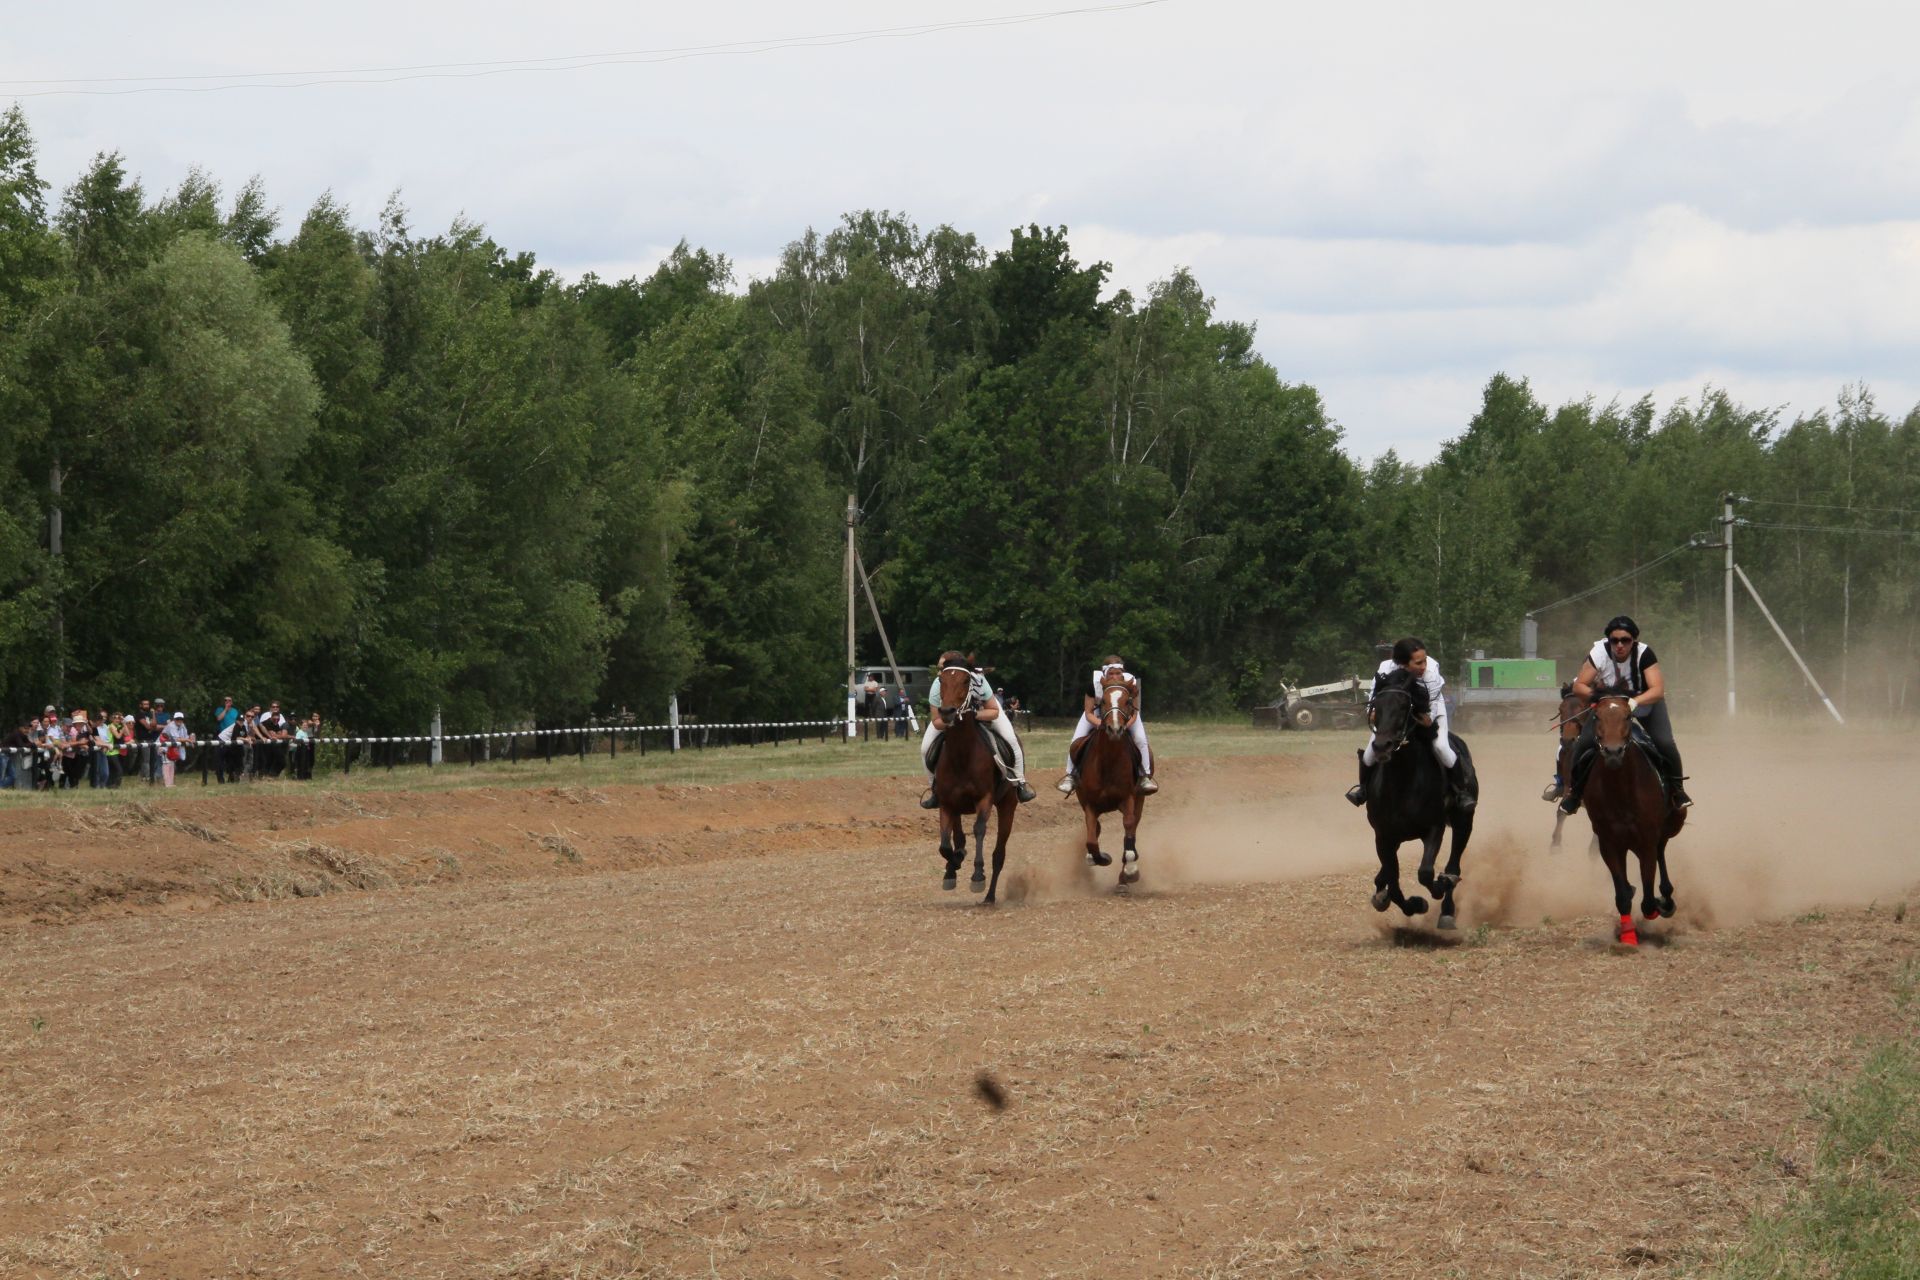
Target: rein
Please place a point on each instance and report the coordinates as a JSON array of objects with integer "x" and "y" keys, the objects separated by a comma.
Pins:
[{"x": 1407, "y": 729}]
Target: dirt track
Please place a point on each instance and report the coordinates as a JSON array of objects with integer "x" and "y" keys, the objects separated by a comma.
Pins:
[{"x": 736, "y": 1031}]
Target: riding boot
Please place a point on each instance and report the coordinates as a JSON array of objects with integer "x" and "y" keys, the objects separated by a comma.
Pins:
[
  {"x": 1065, "y": 785},
  {"x": 1582, "y": 766},
  {"x": 1144, "y": 785},
  {"x": 1357, "y": 793},
  {"x": 1681, "y": 800},
  {"x": 927, "y": 801},
  {"x": 1024, "y": 791},
  {"x": 1463, "y": 796},
  {"x": 1555, "y": 789}
]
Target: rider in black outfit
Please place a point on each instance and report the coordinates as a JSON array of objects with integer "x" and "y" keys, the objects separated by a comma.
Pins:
[{"x": 1620, "y": 661}]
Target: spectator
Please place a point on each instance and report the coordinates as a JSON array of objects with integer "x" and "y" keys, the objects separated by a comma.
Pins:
[
  {"x": 16, "y": 757},
  {"x": 177, "y": 740},
  {"x": 275, "y": 730},
  {"x": 40, "y": 779},
  {"x": 122, "y": 750},
  {"x": 76, "y": 752},
  {"x": 102, "y": 749},
  {"x": 227, "y": 715},
  {"x": 256, "y": 740},
  {"x": 230, "y": 755},
  {"x": 304, "y": 746},
  {"x": 900, "y": 714},
  {"x": 146, "y": 731}
]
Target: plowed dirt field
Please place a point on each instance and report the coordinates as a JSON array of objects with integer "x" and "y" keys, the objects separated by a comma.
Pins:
[{"x": 738, "y": 1030}]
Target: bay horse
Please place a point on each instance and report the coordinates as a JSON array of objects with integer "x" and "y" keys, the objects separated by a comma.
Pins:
[
  {"x": 1104, "y": 781},
  {"x": 1630, "y": 813},
  {"x": 967, "y": 782},
  {"x": 1406, "y": 795},
  {"x": 1573, "y": 710}
]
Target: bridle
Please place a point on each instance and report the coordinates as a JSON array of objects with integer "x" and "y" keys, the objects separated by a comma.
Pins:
[
  {"x": 1406, "y": 726},
  {"x": 1127, "y": 710},
  {"x": 972, "y": 703}
]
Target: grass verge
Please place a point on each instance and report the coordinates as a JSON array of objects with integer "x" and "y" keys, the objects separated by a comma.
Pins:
[{"x": 1859, "y": 1213}]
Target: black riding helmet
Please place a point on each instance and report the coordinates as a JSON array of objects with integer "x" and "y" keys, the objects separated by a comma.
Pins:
[{"x": 1621, "y": 622}]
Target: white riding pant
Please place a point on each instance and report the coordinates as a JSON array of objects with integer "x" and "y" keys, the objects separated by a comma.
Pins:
[
  {"x": 1001, "y": 725},
  {"x": 1089, "y": 726},
  {"x": 1442, "y": 748}
]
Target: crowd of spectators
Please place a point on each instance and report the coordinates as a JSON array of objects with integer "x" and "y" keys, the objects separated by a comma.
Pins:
[{"x": 102, "y": 748}]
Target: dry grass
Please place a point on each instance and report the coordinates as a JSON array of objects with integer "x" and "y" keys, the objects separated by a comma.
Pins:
[{"x": 129, "y": 815}]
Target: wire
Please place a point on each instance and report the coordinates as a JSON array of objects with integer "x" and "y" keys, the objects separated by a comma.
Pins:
[
  {"x": 569, "y": 62},
  {"x": 1826, "y": 506},
  {"x": 1612, "y": 582},
  {"x": 1827, "y": 528}
]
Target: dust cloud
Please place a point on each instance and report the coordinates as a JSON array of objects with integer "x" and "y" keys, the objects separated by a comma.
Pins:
[{"x": 1782, "y": 824}]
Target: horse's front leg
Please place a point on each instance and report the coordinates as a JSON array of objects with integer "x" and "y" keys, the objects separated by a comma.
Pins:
[
  {"x": 1666, "y": 885},
  {"x": 1002, "y": 829},
  {"x": 1092, "y": 816},
  {"x": 953, "y": 848},
  {"x": 1130, "y": 852},
  {"x": 1649, "y": 877},
  {"x": 979, "y": 880},
  {"x": 1615, "y": 856},
  {"x": 1386, "y": 885}
]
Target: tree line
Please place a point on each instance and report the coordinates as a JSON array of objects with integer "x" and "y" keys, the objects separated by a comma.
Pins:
[{"x": 379, "y": 471}]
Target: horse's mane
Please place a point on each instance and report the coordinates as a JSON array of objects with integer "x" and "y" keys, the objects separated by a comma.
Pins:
[
  {"x": 1404, "y": 680},
  {"x": 1611, "y": 691}
]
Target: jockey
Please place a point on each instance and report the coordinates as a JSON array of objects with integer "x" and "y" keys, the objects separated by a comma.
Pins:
[
  {"x": 986, "y": 705},
  {"x": 1619, "y": 661},
  {"x": 1144, "y": 784},
  {"x": 1411, "y": 654}
]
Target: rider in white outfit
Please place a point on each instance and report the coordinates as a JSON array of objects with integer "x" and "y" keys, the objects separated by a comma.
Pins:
[
  {"x": 1411, "y": 654},
  {"x": 986, "y": 705},
  {"x": 1090, "y": 723}
]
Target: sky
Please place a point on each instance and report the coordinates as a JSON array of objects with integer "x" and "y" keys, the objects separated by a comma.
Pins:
[{"x": 1405, "y": 199}]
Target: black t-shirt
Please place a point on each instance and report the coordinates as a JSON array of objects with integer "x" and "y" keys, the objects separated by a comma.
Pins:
[
  {"x": 273, "y": 722},
  {"x": 17, "y": 741}
]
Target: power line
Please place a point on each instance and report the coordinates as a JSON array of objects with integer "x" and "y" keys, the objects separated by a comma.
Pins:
[
  {"x": 569, "y": 62},
  {"x": 1610, "y": 583},
  {"x": 1827, "y": 528},
  {"x": 1826, "y": 506}
]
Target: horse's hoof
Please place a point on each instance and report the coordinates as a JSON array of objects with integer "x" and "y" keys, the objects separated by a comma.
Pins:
[
  {"x": 1416, "y": 906},
  {"x": 1650, "y": 913},
  {"x": 949, "y": 881},
  {"x": 1382, "y": 899},
  {"x": 1099, "y": 859},
  {"x": 1666, "y": 907},
  {"x": 1130, "y": 875},
  {"x": 978, "y": 884},
  {"x": 1447, "y": 922},
  {"x": 1426, "y": 879}
]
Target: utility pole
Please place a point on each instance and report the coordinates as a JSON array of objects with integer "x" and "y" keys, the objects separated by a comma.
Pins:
[
  {"x": 853, "y": 512},
  {"x": 1726, "y": 540},
  {"x": 59, "y": 615}
]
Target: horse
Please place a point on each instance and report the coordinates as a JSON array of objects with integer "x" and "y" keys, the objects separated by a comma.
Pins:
[
  {"x": 1573, "y": 709},
  {"x": 1104, "y": 781},
  {"x": 1406, "y": 795},
  {"x": 1629, "y": 811},
  {"x": 967, "y": 782}
]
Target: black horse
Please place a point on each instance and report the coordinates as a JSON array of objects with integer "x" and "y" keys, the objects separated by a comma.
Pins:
[{"x": 1407, "y": 798}]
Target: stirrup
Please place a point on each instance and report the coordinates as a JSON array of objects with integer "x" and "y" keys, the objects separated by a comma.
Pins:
[
  {"x": 1144, "y": 785},
  {"x": 1356, "y": 795},
  {"x": 927, "y": 801},
  {"x": 1065, "y": 785},
  {"x": 1024, "y": 791},
  {"x": 1569, "y": 805},
  {"x": 1554, "y": 790}
]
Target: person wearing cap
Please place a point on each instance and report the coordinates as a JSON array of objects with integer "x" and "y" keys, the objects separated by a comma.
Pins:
[
  {"x": 1619, "y": 661},
  {"x": 175, "y": 739}
]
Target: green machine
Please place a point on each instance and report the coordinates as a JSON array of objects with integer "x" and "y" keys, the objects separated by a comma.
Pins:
[{"x": 1496, "y": 691}]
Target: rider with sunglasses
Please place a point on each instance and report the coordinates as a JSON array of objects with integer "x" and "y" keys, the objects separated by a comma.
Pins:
[{"x": 1619, "y": 661}]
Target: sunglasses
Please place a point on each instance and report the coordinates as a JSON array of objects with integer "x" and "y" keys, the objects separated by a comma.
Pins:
[{"x": 1620, "y": 639}]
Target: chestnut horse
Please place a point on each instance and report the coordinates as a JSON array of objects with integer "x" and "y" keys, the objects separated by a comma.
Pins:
[
  {"x": 1105, "y": 779},
  {"x": 1573, "y": 710},
  {"x": 1407, "y": 799},
  {"x": 968, "y": 782},
  {"x": 1629, "y": 812}
]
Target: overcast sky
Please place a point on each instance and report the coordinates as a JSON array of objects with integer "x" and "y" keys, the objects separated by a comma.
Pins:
[{"x": 1405, "y": 198}]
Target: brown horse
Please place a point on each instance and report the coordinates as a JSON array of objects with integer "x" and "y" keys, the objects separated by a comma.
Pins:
[
  {"x": 968, "y": 782},
  {"x": 1629, "y": 812},
  {"x": 1105, "y": 779},
  {"x": 1573, "y": 712}
]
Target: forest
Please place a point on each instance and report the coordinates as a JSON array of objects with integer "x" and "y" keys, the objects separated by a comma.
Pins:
[{"x": 359, "y": 466}]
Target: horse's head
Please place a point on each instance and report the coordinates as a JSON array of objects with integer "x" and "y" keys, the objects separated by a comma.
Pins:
[
  {"x": 1612, "y": 722},
  {"x": 1390, "y": 711},
  {"x": 1119, "y": 705},
  {"x": 1572, "y": 714},
  {"x": 956, "y": 692}
]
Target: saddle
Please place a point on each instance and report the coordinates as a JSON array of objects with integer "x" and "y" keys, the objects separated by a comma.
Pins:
[{"x": 997, "y": 747}]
